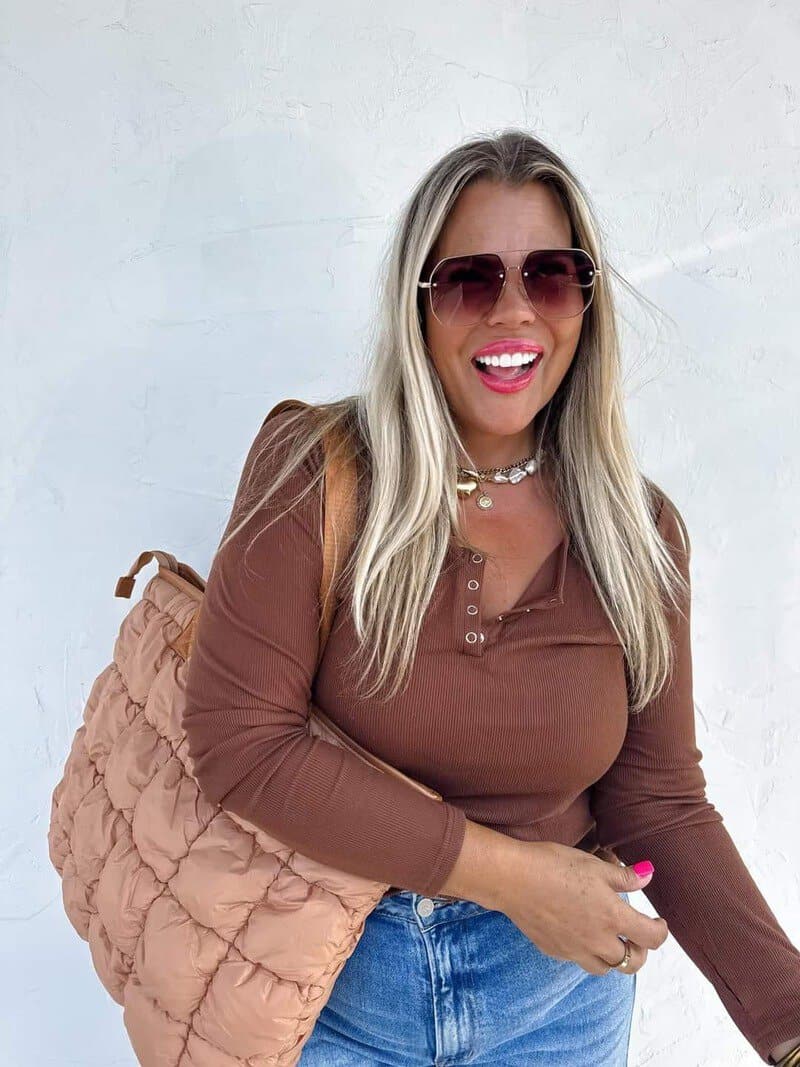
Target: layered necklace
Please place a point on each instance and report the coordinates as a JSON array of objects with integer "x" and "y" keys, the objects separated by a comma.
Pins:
[{"x": 469, "y": 480}]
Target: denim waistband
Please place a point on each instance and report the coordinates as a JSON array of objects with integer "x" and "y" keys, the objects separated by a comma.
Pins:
[
  {"x": 427, "y": 911},
  {"x": 393, "y": 890}
]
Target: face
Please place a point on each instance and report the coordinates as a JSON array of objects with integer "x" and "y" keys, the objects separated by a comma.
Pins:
[{"x": 491, "y": 217}]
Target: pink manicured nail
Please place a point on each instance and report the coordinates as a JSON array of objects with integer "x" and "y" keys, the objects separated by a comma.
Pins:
[{"x": 643, "y": 868}]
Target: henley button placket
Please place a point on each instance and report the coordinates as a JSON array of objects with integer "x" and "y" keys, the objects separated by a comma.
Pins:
[{"x": 474, "y": 638}]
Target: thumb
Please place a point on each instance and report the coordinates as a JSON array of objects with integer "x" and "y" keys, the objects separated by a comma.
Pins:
[{"x": 638, "y": 875}]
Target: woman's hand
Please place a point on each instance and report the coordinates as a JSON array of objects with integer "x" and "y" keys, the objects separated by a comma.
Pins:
[{"x": 565, "y": 900}]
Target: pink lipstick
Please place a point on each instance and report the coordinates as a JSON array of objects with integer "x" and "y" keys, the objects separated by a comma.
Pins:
[{"x": 507, "y": 376}]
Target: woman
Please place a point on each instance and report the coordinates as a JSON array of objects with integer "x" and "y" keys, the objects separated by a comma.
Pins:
[{"x": 517, "y": 595}]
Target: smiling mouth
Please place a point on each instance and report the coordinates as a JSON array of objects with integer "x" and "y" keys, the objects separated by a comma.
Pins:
[{"x": 498, "y": 373}]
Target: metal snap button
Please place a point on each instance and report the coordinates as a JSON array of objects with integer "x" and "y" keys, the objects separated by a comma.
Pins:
[
  {"x": 473, "y": 583},
  {"x": 472, "y": 637},
  {"x": 476, "y": 558},
  {"x": 425, "y": 907},
  {"x": 483, "y": 635},
  {"x": 472, "y": 609}
]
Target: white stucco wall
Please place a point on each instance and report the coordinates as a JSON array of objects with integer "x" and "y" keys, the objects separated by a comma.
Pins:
[{"x": 193, "y": 200}]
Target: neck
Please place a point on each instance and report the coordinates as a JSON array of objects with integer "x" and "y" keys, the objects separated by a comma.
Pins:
[{"x": 489, "y": 450}]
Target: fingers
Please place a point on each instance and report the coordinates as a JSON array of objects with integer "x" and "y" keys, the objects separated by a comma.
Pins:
[
  {"x": 615, "y": 956},
  {"x": 641, "y": 928}
]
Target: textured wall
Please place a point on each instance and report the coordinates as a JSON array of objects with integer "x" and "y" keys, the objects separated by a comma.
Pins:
[{"x": 194, "y": 200}]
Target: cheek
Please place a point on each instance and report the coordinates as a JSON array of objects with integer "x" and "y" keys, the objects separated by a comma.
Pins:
[
  {"x": 445, "y": 346},
  {"x": 566, "y": 337},
  {"x": 565, "y": 344}
]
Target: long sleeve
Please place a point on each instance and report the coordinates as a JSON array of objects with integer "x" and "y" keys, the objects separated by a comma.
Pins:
[
  {"x": 248, "y": 693},
  {"x": 651, "y": 804}
]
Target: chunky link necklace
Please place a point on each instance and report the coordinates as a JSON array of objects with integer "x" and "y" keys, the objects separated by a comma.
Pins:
[{"x": 469, "y": 480}]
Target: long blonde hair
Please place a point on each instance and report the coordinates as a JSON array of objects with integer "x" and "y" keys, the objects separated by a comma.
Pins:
[{"x": 399, "y": 427}]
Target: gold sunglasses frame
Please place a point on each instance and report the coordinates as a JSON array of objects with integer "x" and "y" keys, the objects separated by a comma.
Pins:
[{"x": 430, "y": 284}]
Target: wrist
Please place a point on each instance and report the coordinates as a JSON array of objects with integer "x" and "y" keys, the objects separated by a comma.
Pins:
[{"x": 485, "y": 866}]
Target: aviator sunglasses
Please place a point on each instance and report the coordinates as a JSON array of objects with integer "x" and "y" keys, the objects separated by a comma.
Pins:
[{"x": 559, "y": 283}]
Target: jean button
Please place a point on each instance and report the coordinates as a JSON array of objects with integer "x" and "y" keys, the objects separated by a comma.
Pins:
[{"x": 425, "y": 907}]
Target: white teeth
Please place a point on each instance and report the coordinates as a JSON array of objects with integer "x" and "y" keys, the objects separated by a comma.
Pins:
[{"x": 507, "y": 359}]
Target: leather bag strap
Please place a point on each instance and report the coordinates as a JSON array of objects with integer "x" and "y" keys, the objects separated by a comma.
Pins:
[{"x": 340, "y": 514}]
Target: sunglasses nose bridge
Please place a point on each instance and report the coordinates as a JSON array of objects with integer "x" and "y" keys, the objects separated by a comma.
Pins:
[{"x": 506, "y": 269}]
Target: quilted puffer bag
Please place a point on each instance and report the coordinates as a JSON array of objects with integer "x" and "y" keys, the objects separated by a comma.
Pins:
[{"x": 221, "y": 943}]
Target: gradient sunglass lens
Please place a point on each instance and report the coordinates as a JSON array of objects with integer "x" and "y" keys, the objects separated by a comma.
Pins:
[
  {"x": 559, "y": 284},
  {"x": 465, "y": 288}
]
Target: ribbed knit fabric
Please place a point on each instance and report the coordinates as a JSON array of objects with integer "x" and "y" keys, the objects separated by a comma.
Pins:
[{"x": 520, "y": 722}]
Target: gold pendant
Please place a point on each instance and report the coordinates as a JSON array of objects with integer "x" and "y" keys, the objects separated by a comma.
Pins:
[{"x": 467, "y": 488}]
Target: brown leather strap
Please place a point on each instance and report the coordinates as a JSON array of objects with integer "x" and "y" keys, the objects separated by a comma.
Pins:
[
  {"x": 340, "y": 518},
  {"x": 339, "y": 510}
]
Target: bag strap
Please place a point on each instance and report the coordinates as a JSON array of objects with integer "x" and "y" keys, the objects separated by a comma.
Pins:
[
  {"x": 124, "y": 586},
  {"x": 339, "y": 525},
  {"x": 339, "y": 509}
]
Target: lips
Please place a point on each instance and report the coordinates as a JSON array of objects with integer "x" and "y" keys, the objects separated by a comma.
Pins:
[{"x": 508, "y": 380}]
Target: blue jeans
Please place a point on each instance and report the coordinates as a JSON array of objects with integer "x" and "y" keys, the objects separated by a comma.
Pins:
[{"x": 435, "y": 982}]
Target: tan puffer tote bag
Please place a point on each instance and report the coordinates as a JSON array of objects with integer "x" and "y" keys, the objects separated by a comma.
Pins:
[{"x": 221, "y": 943}]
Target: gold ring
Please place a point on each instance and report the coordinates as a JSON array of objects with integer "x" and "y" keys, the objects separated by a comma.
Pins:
[{"x": 623, "y": 963}]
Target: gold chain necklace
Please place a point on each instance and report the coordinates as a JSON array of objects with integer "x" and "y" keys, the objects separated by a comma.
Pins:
[{"x": 469, "y": 480}]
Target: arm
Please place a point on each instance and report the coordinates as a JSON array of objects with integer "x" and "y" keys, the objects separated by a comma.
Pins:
[
  {"x": 652, "y": 802},
  {"x": 248, "y": 695}
]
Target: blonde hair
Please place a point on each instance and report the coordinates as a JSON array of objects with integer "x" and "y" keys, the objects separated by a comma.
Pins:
[{"x": 400, "y": 429}]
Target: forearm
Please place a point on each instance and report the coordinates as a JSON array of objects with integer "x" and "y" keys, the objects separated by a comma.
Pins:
[{"x": 485, "y": 865}]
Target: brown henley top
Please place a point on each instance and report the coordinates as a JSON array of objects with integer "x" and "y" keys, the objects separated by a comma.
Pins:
[{"x": 521, "y": 723}]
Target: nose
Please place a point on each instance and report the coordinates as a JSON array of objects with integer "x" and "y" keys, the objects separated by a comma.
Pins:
[{"x": 513, "y": 300}]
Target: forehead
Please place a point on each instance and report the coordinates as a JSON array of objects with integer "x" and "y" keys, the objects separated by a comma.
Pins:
[{"x": 489, "y": 216}]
